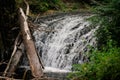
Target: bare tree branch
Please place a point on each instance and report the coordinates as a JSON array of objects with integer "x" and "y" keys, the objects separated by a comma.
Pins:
[{"x": 27, "y": 7}]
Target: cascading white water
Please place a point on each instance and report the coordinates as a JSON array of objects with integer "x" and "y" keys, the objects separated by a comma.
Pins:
[{"x": 63, "y": 40}]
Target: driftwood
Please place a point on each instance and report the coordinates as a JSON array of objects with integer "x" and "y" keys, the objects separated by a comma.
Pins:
[
  {"x": 15, "y": 57},
  {"x": 34, "y": 61}
]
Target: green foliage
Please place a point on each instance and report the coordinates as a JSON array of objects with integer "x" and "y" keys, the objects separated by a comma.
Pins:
[
  {"x": 44, "y": 5},
  {"x": 37, "y": 6},
  {"x": 103, "y": 63},
  {"x": 102, "y": 66},
  {"x": 108, "y": 16}
]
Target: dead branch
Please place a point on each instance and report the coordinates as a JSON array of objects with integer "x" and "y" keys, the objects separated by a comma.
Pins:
[
  {"x": 37, "y": 17},
  {"x": 25, "y": 73},
  {"x": 37, "y": 27},
  {"x": 2, "y": 63},
  {"x": 27, "y": 7},
  {"x": 7, "y": 78}
]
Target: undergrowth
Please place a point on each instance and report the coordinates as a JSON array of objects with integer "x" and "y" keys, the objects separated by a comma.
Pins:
[{"x": 102, "y": 65}]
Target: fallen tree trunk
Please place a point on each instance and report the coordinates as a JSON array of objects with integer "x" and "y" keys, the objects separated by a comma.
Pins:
[
  {"x": 15, "y": 58},
  {"x": 34, "y": 61}
]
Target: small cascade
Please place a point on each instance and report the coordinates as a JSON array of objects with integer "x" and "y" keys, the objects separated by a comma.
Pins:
[{"x": 62, "y": 40}]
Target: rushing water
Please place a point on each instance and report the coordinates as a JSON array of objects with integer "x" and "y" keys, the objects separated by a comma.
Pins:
[{"x": 63, "y": 39}]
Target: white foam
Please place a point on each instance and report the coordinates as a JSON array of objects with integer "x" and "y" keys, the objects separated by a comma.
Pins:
[
  {"x": 64, "y": 47},
  {"x": 51, "y": 69}
]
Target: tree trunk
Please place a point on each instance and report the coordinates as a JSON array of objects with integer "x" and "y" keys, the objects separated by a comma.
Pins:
[
  {"x": 13, "y": 65},
  {"x": 35, "y": 65},
  {"x": 15, "y": 57}
]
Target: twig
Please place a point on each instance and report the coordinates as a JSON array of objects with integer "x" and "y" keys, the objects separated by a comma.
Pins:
[
  {"x": 2, "y": 63},
  {"x": 7, "y": 78},
  {"x": 37, "y": 17},
  {"x": 8, "y": 73},
  {"x": 25, "y": 73}
]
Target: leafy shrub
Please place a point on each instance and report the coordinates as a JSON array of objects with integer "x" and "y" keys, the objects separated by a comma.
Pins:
[
  {"x": 103, "y": 65},
  {"x": 44, "y": 5},
  {"x": 108, "y": 16},
  {"x": 37, "y": 6}
]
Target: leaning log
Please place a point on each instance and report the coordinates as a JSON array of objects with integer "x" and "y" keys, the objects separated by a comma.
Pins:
[
  {"x": 15, "y": 58},
  {"x": 35, "y": 65}
]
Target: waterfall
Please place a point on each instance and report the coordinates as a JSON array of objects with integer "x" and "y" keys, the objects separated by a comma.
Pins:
[{"x": 62, "y": 40}]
